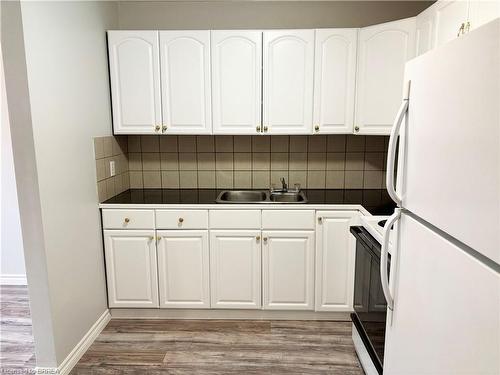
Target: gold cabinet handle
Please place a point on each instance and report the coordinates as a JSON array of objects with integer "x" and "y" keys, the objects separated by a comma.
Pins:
[
  {"x": 127, "y": 220},
  {"x": 258, "y": 129},
  {"x": 316, "y": 128},
  {"x": 461, "y": 29},
  {"x": 467, "y": 27},
  {"x": 181, "y": 220},
  {"x": 320, "y": 220},
  {"x": 257, "y": 238},
  {"x": 164, "y": 128},
  {"x": 157, "y": 128},
  {"x": 265, "y": 129}
]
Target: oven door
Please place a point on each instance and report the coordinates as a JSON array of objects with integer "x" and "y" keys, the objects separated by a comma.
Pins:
[{"x": 369, "y": 302}]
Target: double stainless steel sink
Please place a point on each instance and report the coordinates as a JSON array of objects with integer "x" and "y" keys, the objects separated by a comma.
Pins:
[{"x": 261, "y": 196}]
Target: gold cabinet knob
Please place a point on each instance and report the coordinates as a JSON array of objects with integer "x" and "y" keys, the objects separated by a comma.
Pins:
[
  {"x": 127, "y": 220},
  {"x": 258, "y": 129},
  {"x": 356, "y": 129},
  {"x": 164, "y": 128},
  {"x": 461, "y": 29},
  {"x": 257, "y": 238},
  {"x": 157, "y": 128},
  {"x": 316, "y": 128},
  {"x": 265, "y": 129},
  {"x": 320, "y": 219},
  {"x": 151, "y": 238},
  {"x": 181, "y": 220},
  {"x": 265, "y": 239}
]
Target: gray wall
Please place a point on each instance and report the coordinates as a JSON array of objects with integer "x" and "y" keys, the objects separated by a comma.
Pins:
[
  {"x": 66, "y": 64},
  {"x": 12, "y": 268},
  {"x": 262, "y": 14}
]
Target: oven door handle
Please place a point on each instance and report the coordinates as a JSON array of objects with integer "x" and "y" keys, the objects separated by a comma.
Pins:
[{"x": 384, "y": 255}]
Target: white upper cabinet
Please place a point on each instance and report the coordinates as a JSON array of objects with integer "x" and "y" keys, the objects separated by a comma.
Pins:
[
  {"x": 481, "y": 12},
  {"x": 135, "y": 81},
  {"x": 382, "y": 53},
  {"x": 185, "y": 82},
  {"x": 183, "y": 268},
  {"x": 236, "y": 81},
  {"x": 451, "y": 19},
  {"x": 334, "y": 80},
  {"x": 425, "y": 28},
  {"x": 131, "y": 268},
  {"x": 288, "y": 81}
]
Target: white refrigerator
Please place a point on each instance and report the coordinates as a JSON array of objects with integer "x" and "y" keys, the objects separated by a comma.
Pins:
[{"x": 443, "y": 291}]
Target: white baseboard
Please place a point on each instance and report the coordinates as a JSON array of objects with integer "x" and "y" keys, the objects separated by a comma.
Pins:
[
  {"x": 226, "y": 314},
  {"x": 13, "y": 279},
  {"x": 79, "y": 350}
]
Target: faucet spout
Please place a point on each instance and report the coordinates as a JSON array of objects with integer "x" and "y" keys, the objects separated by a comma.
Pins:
[{"x": 283, "y": 184}]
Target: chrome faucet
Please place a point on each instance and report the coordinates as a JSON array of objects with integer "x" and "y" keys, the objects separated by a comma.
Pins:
[{"x": 284, "y": 186}]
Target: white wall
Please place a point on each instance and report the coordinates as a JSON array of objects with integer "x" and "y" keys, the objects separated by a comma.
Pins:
[
  {"x": 66, "y": 64},
  {"x": 12, "y": 270},
  {"x": 262, "y": 14}
]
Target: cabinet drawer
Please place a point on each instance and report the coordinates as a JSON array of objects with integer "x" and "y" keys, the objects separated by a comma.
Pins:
[
  {"x": 181, "y": 219},
  {"x": 288, "y": 219},
  {"x": 128, "y": 219},
  {"x": 235, "y": 219}
]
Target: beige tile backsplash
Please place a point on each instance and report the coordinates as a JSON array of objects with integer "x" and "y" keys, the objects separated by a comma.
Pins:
[
  {"x": 107, "y": 149},
  {"x": 314, "y": 162}
]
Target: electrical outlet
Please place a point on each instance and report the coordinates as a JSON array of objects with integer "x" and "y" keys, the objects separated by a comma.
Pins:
[{"x": 112, "y": 170}]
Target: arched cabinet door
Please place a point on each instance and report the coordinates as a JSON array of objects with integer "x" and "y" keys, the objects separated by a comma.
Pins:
[
  {"x": 135, "y": 81},
  {"x": 334, "y": 80},
  {"x": 236, "y": 81},
  {"x": 185, "y": 82},
  {"x": 383, "y": 51},
  {"x": 425, "y": 29},
  {"x": 288, "y": 81}
]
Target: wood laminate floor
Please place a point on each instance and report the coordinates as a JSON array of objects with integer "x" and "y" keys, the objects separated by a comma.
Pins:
[
  {"x": 17, "y": 349},
  {"x": 221, "y": 347}
]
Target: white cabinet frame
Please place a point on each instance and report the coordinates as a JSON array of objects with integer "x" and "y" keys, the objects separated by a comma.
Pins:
[
  {"x": 134, "y": 68},
  {"x": 131, "y": 268},
  {"x": 185, "y": 82},
  {"x": 334, "y": 80},
  {"x": 183, "y": 268},
  {"x": 288, "y": 81},
  {"x": 284, "y": 267},
  {"x": 335, "y": 246},
  {"x": 236, "y": 81},
  {"x": 235, "y": 269}
]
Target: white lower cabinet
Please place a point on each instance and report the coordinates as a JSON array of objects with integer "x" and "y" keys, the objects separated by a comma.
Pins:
[
  {"x": 235, "y": 269},
  {"x": 183, "y": 268},
  {"x": 131, "y": 268},
  {"x": 288, "y": 270},
  {"x": 270, "y": 259},
  {"x": 335, "y": 259}
]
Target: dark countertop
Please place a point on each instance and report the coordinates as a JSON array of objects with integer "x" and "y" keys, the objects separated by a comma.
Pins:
[{"x": 376, "y": 201}]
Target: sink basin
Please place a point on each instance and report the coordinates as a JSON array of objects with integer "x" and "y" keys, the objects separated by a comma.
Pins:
[
  {"x": 287, "y": 198},
  {"x": 242, "y": 196},
  {"x": 259, "y": 196}
]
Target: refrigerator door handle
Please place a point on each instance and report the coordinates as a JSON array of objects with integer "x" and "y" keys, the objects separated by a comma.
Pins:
[
  {"x": 391, "y": 153},
  {"x": 384, "y": 255}
]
